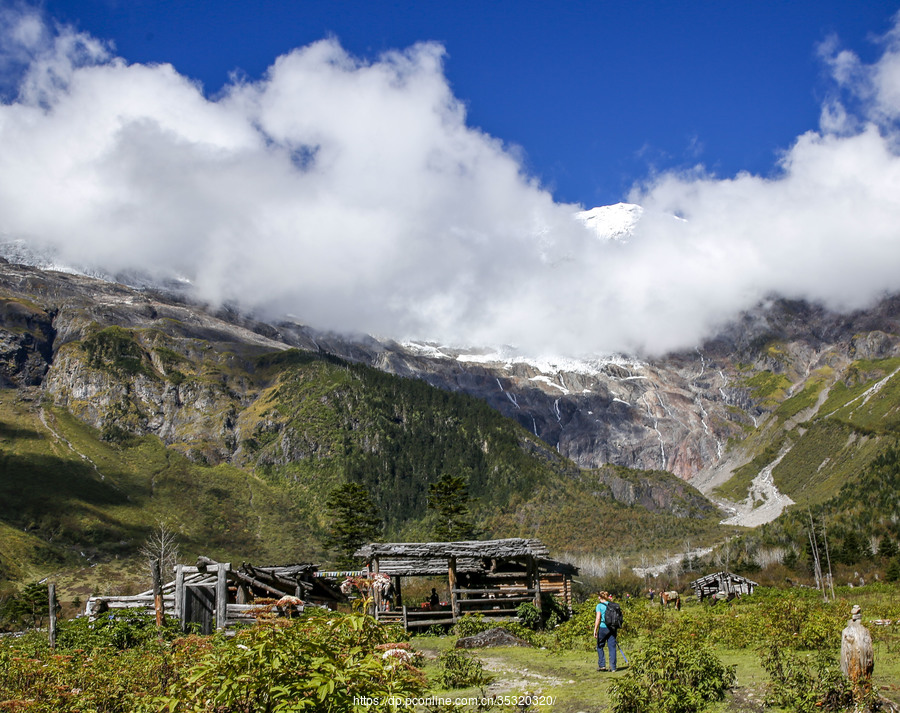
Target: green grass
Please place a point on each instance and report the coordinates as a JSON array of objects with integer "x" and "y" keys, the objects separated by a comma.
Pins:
[
  {"x": 571, "y": 679},
  {"x": 807, "y": 397},
  {"x": 843, "y": 398},
  {"x": 767, "y": 387},
  {"x": 66, "y": 501},
  {"x": 826, "y": 456}
]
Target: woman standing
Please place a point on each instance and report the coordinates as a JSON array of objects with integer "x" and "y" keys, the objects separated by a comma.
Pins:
[{"x": 604, "y": 635}]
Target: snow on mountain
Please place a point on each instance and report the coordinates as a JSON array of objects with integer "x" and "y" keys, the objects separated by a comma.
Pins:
[
  {"x": 612, "y": 222},
  {"x": 20, "y": 252},
  {"x": 507, "y": 358}
]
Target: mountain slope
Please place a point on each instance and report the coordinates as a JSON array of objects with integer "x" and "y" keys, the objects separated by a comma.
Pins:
[{"x": 123, "y": 408}]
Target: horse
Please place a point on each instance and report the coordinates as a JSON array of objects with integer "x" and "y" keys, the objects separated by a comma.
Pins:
[{"x": 671, "y": 597}]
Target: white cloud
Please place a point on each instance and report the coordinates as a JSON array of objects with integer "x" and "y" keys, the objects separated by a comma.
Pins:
[{"x": 354, "y": 195}]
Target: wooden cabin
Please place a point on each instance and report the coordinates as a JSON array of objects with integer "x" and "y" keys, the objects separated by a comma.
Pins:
[
  {"x": 487, "y": 577},
  {"x": 214, "y": 595},
  {"x": 722, "y": 585}
]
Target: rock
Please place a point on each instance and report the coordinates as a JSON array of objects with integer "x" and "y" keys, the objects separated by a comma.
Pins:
[{"x": 498, "y": 636}]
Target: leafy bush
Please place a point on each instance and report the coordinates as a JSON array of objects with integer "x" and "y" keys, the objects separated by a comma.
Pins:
[
  {"x": 805, "y": 683},
  {"x": 529, "y": 616},
  {"x": 320, "y": 662},
  {"x": 104, "y": 679},
  {"x": 323, "y": 662},
  {"x": 674, "y": 673},
  {"x": 471, "y": 624},
  {"x": 116, "y": 632},
  {"x": 802, "y": 622},
  {"x": 459, "y": 670},
  {"x": 576, "y": 633}
]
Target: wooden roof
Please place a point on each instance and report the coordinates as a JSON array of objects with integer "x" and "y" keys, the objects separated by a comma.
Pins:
[
  {"x": 472, "y": 556},
  {"x": 508, "y": 548},
  {"x": 721, "y": 577}
]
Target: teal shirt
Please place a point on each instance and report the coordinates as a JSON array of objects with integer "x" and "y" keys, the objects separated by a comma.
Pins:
[{"x": 601, "y": 607}]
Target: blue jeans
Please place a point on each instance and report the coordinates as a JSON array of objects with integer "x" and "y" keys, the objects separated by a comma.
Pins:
[{"x": 605, "y": 636}]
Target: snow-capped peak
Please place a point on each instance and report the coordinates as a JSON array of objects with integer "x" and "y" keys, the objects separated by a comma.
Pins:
[{"x": 612, "y": 222}]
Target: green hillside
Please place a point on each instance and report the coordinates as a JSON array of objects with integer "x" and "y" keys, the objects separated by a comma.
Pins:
[
  {"x": 75, "y": 495},
  {"x": 841, "y": 465}
]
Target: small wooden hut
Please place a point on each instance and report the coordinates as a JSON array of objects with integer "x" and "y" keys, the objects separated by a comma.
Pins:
[
  {"x": 488, "y": 577},
  {"x": 723, "y": 585},
  {"x": 214, "y": 595}
]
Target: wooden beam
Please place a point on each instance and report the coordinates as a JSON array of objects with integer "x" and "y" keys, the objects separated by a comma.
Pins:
[
  {"x": 257, "y": 583},
  {"x": 499, "y": 601},
  {"x": 496, "y": 590}
]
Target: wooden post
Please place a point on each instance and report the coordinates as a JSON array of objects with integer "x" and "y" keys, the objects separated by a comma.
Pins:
[
  {"x": 51, "y": 597},
  {"x": 376, "y": 593},
  {"x": 451, "y": 577},
  {"x": 179, "y": 595},
  {"x": 535, "y": 580},
  {"x": 221, "y": 595},
  {"x": 398, "y": 595},
  {"x": 158, "y": 595}
]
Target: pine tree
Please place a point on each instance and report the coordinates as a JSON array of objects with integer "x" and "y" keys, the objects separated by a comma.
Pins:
[
  {"x": 893, "y": 570},
  {"x": 887, "y": 548},
  {"x": 450, "y": 497},
  {"x": 354, "y": 520}
]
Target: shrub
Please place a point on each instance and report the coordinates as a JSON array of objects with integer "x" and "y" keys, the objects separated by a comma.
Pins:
[
  {"x": 529, "y": 616},
  {"x": 327, "y": 661},
  {"x": 459, "y": 670},
  {"x": 324, "y": 662},
  {"x": 675, "y": 673},
  {"x": 575, "y": 634},
  {"x": 471, "y": 624},
  {"x": 800, "y": 622},
  {"x": 805, "y": 683}
]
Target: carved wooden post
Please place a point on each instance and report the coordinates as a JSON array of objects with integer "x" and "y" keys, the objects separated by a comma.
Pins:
[
  {"x": 51, "y": 597},
  {"x": 857, "y": 654},
  {"x": 451, "y": 577}
]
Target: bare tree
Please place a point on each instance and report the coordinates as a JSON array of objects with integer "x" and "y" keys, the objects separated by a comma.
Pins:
[{"x": 161, "y": 545}]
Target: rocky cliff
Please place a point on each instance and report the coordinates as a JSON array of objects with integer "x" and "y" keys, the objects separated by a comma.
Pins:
[{"x": 677, "y": 413}]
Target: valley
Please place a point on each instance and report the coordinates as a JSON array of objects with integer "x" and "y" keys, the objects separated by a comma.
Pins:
[{"x": 786, "y": 406}]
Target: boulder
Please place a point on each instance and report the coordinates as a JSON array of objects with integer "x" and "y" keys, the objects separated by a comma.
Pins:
[{"x": 498, "y": 636}]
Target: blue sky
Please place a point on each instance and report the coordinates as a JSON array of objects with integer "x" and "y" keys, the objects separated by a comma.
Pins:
[
  {"x": 415, "y": 171},
  {"x": 597, "y": 94}
]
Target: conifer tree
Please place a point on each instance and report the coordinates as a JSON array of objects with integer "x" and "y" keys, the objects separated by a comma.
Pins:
[
  {"x": 450, "y": 497},
  {"x": 354, "y": 520}
]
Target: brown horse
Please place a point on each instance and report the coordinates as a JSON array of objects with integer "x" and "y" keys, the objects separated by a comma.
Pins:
[{"x": 671, "y": 597}]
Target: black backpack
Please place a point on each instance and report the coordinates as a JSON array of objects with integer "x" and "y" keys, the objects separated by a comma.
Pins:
[{"x": 613, "y": 617}]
